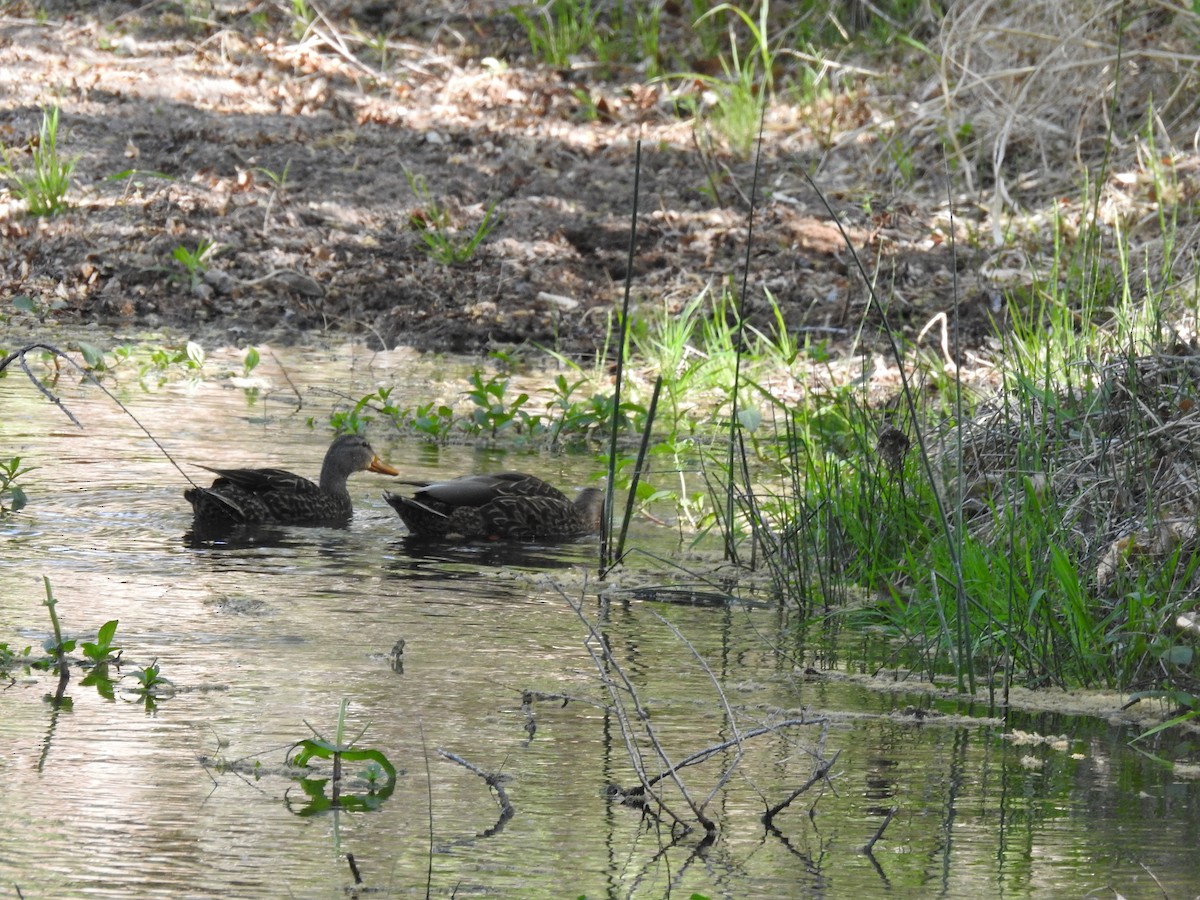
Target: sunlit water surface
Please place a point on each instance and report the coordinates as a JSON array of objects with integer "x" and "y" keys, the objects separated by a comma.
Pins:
[{"x": 189, "y": 797}]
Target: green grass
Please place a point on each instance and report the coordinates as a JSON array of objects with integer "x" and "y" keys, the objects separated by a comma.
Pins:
[
  {"x": 559, "y": 30},
  {"x": 1035, "y": 541},
  {"x": 44, "y": 182},
  {"x": 440, "y": 239}
]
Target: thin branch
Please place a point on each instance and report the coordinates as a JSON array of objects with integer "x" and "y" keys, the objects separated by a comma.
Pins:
[
  {"x": 882, "y": 828},
  {"x": 819, "y": 774},
  {"x": 494, "y": 781},
  {"x": 88, "y": 376}
]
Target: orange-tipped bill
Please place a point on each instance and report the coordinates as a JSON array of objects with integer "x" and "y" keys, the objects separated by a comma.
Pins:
[{"x": 378, "y": 465}]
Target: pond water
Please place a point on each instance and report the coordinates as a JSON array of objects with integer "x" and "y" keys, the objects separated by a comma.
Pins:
[{"x": 189, "y": 795}]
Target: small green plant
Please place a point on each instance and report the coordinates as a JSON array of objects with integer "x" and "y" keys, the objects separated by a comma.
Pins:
[
  {"x": 340, "y": 751},
  {"x": 195, "y": 262},
  {"x": 9, "y": 657},
  {"x": 433, "y": 420},
  {"x": 250, "y": 361},
  {"x": 302, "y": 18},
  {"x": 40, "y": 307},
  {"x": 279, "y": 180},
  {"x": 12, "y": 497},
  {"x": 492, "y": 413},
  {"x": 559, "y": 30},
  {"x": 260, "y": 22},
  {"x": 191, "y": 356},
  {"x": 150, "y": 680},
  {"x": 431, "y": 221},
  {"x": 102, "y": 649},
  {"x": 356, "y": 419},
  {"x": 377, "y": 43},
  {"x": 588, "y": 110},
  {"x": 44, "y": 186}
]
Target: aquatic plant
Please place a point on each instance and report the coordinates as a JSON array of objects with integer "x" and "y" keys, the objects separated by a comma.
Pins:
[
  {"x": 494, "y": 412},
  {"x": 102, "y": 649},
  {"x": 340, "y": 751},
  {"x": 150, "y": 680},
  {"x": 12, "y": 495}
]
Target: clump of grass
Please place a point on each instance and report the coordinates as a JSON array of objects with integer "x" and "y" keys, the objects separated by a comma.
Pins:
[
  {"x": 44, "y": 184},
  {"x": 1047, "y": 537},
  {"x": 441, "y": 240},
  {"x": 735, "y": 100},
  {"x": 559, "y": 30}
]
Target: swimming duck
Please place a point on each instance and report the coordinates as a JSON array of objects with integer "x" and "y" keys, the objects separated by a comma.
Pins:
[
  {"x": 278, "y": 497},
  {"x": 509, "y": 505}
]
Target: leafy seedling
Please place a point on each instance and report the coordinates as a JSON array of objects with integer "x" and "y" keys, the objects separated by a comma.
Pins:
[{"x": 102, "y": 650}]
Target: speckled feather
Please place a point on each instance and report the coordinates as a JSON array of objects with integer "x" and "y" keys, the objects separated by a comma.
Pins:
[{"x": 509, "y": 505}]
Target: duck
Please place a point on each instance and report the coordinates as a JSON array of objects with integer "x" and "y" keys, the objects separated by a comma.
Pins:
[
  {"x": 278, "y": 497},
  {"x": 511, "y": 506}
]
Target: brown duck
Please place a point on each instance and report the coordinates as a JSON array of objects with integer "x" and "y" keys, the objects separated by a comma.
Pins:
[
  {"x": 278, "y": 497},
  {"x": 509, "y": 505}
]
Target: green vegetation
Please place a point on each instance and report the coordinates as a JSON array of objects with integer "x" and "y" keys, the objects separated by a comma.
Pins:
[
  {"x": 1046, "y": 538},
  {"x": 250, "y": 361},
  {"x": 378, "y": 776},
  {"x": 98, "y": 655},
  {"x": 560, "y": 29},
  {"x": 150, "y": 680},
  {"x": 747, "y": 82},
  {"x": 195, "y": 262},
  {"x": 102, "y": 650},
  {"x": 431, "y": 221},
  {"x": 12, "y": 497},
  {"x": 153, "y": 364},
  {"x": 302, "y": 18},
  {"x": 44, "y": 183}
]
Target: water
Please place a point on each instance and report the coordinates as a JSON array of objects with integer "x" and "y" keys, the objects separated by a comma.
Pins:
[{"x": 189, "y": 796}]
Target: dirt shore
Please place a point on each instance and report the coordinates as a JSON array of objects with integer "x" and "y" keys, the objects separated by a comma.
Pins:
[{"x": 312, "y": 174}]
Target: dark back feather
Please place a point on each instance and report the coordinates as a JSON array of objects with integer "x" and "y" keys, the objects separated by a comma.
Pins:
[{"x": 508, "y": 505}]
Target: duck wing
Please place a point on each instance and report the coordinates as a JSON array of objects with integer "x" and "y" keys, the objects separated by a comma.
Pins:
[
  {"x": 480, "y": 490},
  {"x": 258, "y": 481}
]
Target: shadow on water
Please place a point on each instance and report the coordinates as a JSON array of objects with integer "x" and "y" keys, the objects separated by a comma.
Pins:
[
  {"x": 240, "y": 538},
  {"x": 417, "y": 557}
]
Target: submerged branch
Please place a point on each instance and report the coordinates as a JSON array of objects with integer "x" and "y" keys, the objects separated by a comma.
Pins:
[{"x": 494, "y": 781}]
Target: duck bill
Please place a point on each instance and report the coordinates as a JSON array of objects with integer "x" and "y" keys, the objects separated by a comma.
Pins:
[{"x": 378, "y": 465}]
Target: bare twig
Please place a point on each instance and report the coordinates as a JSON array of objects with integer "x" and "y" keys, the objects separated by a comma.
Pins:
[
  {"x": 20, "y": 354},
  {"x": 882, "y": 828},
  {"x": 429, "y": 801},
  {"x": 627, "y": 706},
  {"x": 729, "y": 717},
  {"x": 494, "y": 781},
  {"x": 618, "y": 689},
  {"x": 821, "y": 773}
]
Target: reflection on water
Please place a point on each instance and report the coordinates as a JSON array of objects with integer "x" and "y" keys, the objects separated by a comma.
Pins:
[
  {"x": 262, "y": 636},
  {"x": 430, "y": 558}
]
